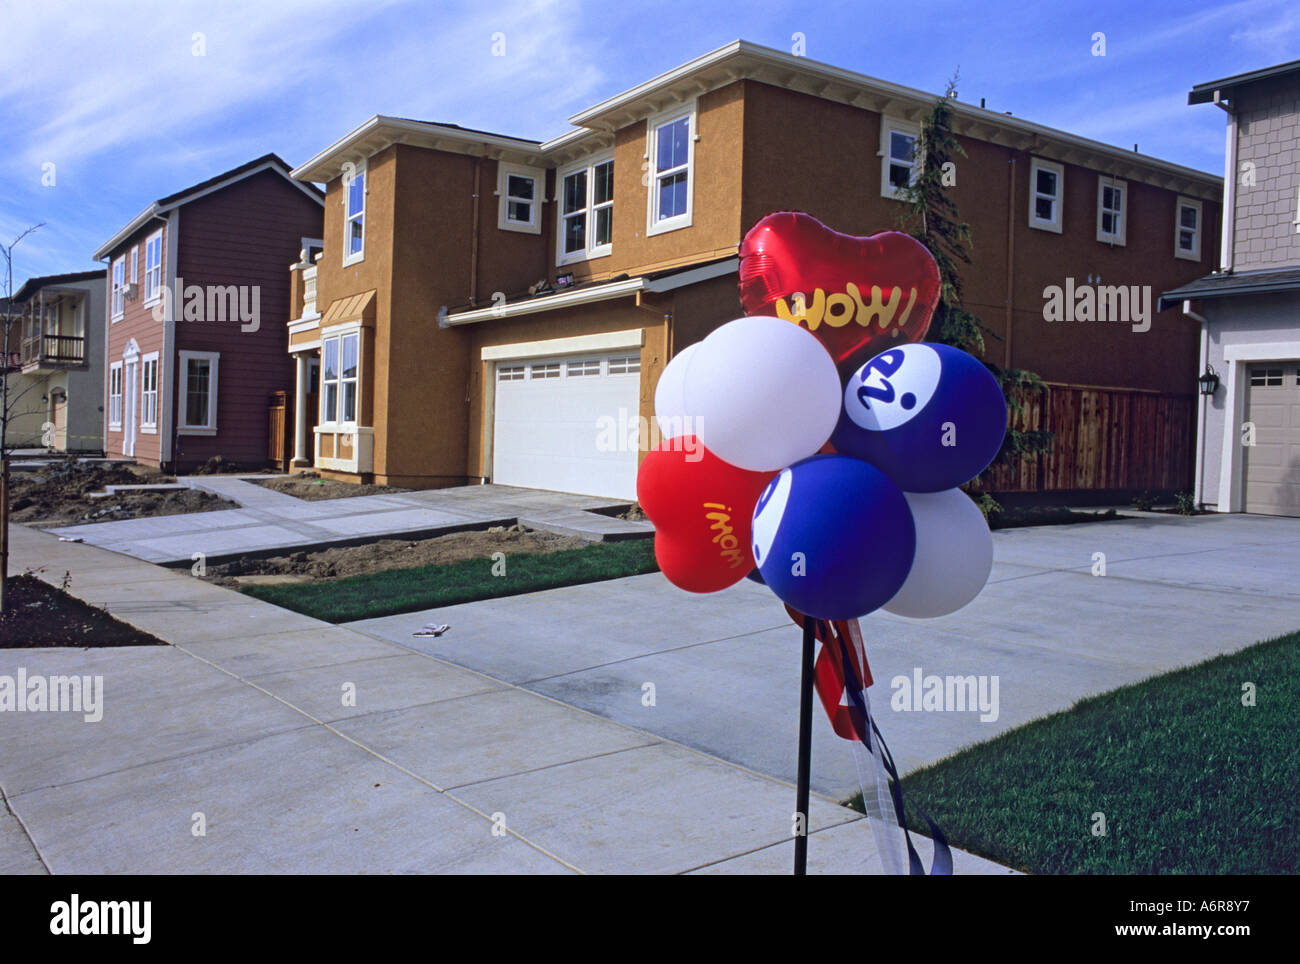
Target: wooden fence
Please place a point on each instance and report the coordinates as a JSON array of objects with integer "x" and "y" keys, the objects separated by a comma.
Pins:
[{"x": 1105, "y": 439}]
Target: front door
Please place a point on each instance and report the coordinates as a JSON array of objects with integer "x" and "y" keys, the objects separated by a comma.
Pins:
[{"x": 130, "y": 377}]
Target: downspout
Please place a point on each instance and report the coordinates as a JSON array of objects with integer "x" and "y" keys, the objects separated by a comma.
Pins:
[
  {"x": 1011, "y": 256},
  {"x": 1198, "y": 495},
  {"x": 473, "y": 245},
  {"x": 1227, "y": 236}
]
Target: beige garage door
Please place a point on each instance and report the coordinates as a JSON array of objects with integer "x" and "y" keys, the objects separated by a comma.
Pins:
[{"x": 1271, "y": 469}]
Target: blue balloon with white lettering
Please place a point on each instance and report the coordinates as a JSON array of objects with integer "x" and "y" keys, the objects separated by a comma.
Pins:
[
  {"x": 833, "y": 537},
  {"x": 932, "y": 417}
]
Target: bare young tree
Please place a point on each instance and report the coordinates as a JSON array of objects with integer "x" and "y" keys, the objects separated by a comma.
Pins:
[{"x": 9, "y": 405}]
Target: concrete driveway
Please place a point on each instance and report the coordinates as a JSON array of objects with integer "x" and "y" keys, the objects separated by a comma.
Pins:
[
  {"x": 270, "y": 521},
  {"x": 724, "y": 667}
]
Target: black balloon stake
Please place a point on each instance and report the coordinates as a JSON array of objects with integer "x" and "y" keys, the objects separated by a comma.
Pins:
[{"x": 805, "y": 750}]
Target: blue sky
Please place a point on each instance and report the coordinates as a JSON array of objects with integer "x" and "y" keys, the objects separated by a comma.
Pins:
[{"x": 114, "y": 97}]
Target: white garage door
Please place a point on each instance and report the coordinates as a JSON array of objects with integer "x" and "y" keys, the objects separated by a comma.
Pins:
[
  {"x": 564, "y": 424},
  {"x": 1271, "y": 468}
]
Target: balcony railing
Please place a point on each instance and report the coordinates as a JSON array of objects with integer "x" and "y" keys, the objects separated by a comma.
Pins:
[
  {"x": 309, "y": 291},
  {"x": 54, "y": 349}
]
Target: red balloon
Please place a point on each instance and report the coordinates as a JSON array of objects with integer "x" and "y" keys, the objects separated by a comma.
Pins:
[
  {"x": 857, "y": 295},
  {"x": 702, "y": 509}
]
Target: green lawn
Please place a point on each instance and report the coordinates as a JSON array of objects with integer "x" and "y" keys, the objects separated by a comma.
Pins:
[
  {"x": 428, "y": 587},
  {"x": 1190, "y": 780}
]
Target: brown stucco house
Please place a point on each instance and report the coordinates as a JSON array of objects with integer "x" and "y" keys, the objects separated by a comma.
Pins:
[
  {"x": 489, "y": 308},
  {"x": 193, "y": 318}
]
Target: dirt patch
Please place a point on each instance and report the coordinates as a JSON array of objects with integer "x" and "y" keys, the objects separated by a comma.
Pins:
[
  {"x": 386, "y": 554},
  {"x": 309, "y": 485},
  {"x": 39, "y": 615},
  {"x": 59, "y": 494}
]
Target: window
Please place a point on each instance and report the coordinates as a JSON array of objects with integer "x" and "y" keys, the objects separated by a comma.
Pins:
[
  {"x": 586, "y": 211},
  {"x": 339, "y": 376},
  {"x": 1111, "y": 210},
  {"x": 538, "y": 372},
  {"x": 899, "y": 161},
  {"x": 153, "y": 268},
  {"x": 582, "y": 369},
  {"x": 1266, "y": 377},
  {"x": 511, "y": 373},
  {"x": 517, "y": 188},
  {"x": 1187, "y": 230},
  {"x": 1046, "y": 190},
  {"x": 671, "y": 153},
  {"x": 625, "y": 365},
  {"x": 134, "y": 258},
  {"x": 119, "y": 296},
  {"x": 149, "y": 392},
  {"x": 115, "y": 395},
  {"x": 199, "y": 392},
  {"x": 354, "y": 206}
]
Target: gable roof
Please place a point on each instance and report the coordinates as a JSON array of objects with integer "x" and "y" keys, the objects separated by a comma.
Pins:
[
  {"x": 741, "y": 60},
  {"x": 267, "y": 162},
  {"x": 1204, "y": 93},
  {"x": 33, "y": 285}
]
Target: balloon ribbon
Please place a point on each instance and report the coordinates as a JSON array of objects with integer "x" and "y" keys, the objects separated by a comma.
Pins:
[{"x": 841, "y": 672}]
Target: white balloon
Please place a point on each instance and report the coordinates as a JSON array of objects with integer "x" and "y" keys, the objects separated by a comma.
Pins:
[
  {"x": 670, "y": 402},
  {"x": 764, "y": 391},
  {"x": 954, "y": 555}
]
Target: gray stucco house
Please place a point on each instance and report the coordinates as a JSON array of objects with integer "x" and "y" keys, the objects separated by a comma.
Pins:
[
  {"x": 1248, "y": 432},
  {"x": 56, "y": 363}
]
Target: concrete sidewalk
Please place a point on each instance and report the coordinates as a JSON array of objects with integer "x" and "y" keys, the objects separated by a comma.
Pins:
[
  {"x": 299, "y": 747},
  {"x": 269, "y": 521},
  {"x": 725, "y": 666}
]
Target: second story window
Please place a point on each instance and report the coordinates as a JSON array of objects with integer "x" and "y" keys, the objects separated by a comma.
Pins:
[
  {"x": 898, "y": 164},
  {"x": 520, "y": 197},
  {"x": 119, "y": 284},
  {"x": 1046, "y": 194},
  {"x": 354, "y": 209},
  {"x": 153, "y": 268},
  {"x": 672, "y": 153},
  {"x": 586, "y": 211},
  {"x": 1111, "y": 210},
  {"x": 1187, "y": 230}
]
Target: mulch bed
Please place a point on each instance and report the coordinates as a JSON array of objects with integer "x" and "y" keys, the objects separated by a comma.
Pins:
[
  {"x": 40, "y": 616},
  {"x": 59, "y": 494},
  {"x": 310, "y": 486}
]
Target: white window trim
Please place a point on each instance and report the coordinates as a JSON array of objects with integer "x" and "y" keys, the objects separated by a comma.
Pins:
[
  {"x": 361, "y": 172},
  {"x": 1035, "y": 165},
  {"x": 888, "y": 124},
  {"x": 538, "y": 177},
  {"x": 150, "y": 428},
  {"x": 1187, "y": 202},
  {"x": 1104, "y": 181},
  {"x": 115, "y": 367},
  {"x": 117, "y": 288},
  {"x": 156, "y": 296},
  {"x": 591, "y": 252},
  {"x": 135, "y": 260},
  {"x": 653, "y": 226},
  {"x": 183, "y": 360},
  {"x": 338, "y": 334}
]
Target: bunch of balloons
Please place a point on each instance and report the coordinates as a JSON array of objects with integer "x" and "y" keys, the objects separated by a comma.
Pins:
[{"x": 799, "y": 452}]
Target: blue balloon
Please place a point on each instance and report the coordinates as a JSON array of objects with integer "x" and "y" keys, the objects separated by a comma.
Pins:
[
  {"x": 930, "y": 416},
  {"x": 833, "y": 537}
]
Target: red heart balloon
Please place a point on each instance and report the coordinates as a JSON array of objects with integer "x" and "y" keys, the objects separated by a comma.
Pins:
[
  {"x": 857, "y": 295},
  {"x": 702, "y": 508}
]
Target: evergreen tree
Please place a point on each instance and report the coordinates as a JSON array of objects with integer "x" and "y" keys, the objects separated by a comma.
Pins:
[{"x": 933, "y": 219}]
